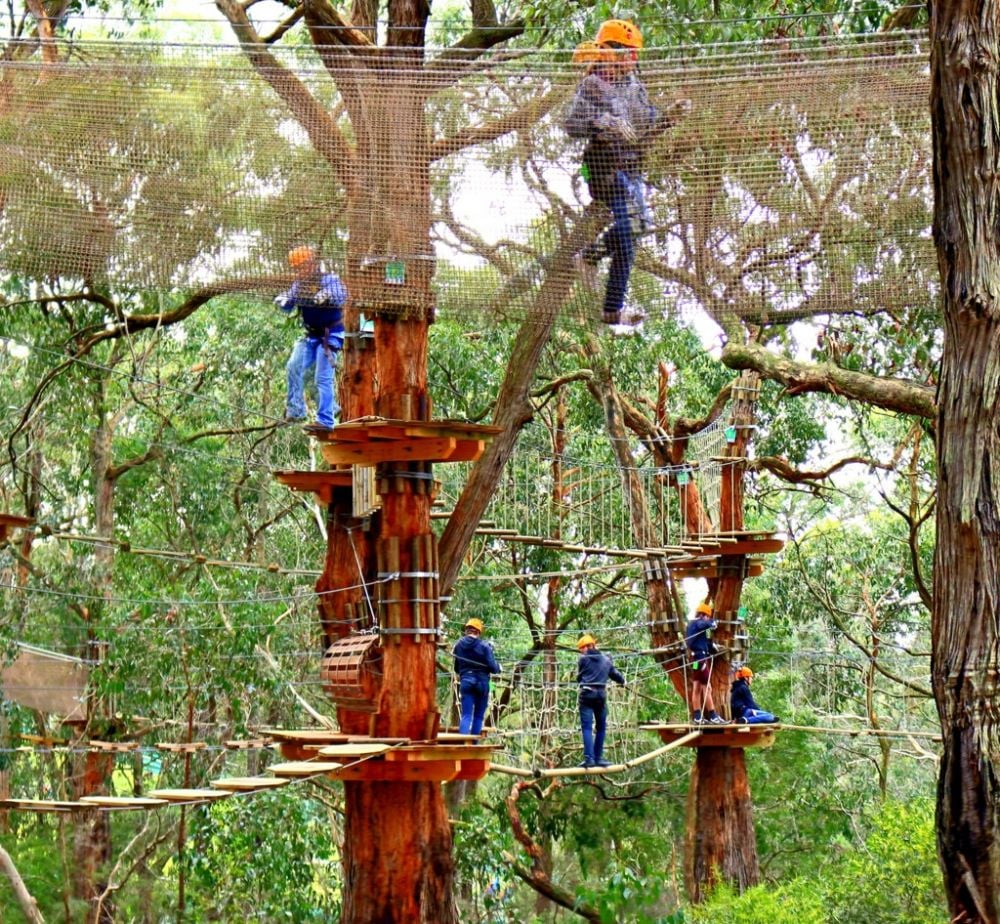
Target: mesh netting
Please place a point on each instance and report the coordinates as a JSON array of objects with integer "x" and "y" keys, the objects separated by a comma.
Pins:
[{"x": 798, "y": 183}]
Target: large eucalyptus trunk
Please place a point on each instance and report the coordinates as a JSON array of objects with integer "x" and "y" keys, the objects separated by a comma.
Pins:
[{"x": 966, "y": 663}]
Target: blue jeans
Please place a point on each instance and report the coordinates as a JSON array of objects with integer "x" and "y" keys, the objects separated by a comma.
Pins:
[
  {"x": 627, "y": 200},
  {"x": 593, "y": 709},
  {"x": 475, "y": 693},
  {"x": 307, "y": 352}
]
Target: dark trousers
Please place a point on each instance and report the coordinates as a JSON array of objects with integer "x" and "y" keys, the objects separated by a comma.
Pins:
[
  {"x": 593, "y": 712},
  {"x": 475, "y": 693},
  {"x": 619, "y": 240}
]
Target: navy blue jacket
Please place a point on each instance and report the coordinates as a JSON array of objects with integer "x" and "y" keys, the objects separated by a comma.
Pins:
[
  {"x": 741, "y": 699},
  {"x": 474, "y": 656},
  {"x": 696, "y": 637},
  {"x": 322, "y": 311},
  {"x": 593, "y": 670}
]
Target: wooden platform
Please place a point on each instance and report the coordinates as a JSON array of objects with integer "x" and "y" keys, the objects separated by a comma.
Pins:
[
  {"x": 399, "y": 760},
  {"x": 40, "y": 805},
  {"x": 190, "y": 795},
  {"x": 322, "y": 484},
  {"x": 10, "y": 522},
  {"x": 717, "y": 736},
  {"x": 713, "y": 546},
  {"x": 370, "y": 441},
  {"x": 248, "y": 783},
  {"x": 122, "y": 802}
]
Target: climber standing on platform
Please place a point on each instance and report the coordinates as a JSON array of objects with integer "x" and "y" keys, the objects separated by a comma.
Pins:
[
  {"x": 474, "y": 662},
  {"x": 319, "y": 297},
  {"x": 702, "y": 651},
  {"x": 612, "y": 111},
  {"x": 593, "y": 671}
]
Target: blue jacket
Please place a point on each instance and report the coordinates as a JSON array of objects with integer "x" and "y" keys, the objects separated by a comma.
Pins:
[
  {"x": 474, "y": 656},
  {"x": 741, "y": 699},
  {"x": 593, "y": 670},
  {"x": 322, "y": 311},
  {"x": 696, "y": 637}
]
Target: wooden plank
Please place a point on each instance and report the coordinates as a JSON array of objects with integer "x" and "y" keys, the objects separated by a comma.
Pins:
[
  {"x": 429, "y": 450},
  {"x": 39, "y": 805},
  {"x": 353, "y": 750},
  {"x": 298, "y": 768},
  {"x": 248, "y": 783},
  {"x": 304, "y": 735},
  {"x": 190, "y": 795},
  {"x": 181, "y": 747},
  {"x": 116, "y": 747},
  {"x": 473, "y": 770},
  {"x": 456, "y": 738},
  {"x": 378, "y": 771},
  {"x": 248, "y": 744},
  {"x": 313, "y": 481},
  {"x": 123, "y": 802},
  {"x": 440, "y": 752},
  {"x": 718, "y": 736}
]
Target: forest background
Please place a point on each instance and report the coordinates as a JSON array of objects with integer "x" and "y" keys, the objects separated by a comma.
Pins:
[{"x": 166, "y": 440}]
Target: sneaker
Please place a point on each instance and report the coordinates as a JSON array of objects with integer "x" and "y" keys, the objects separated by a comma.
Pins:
[
  {"x": 696, "y": 719},
  {"x": 716, "y": 719},
  {"x": 587, "y": 271},
  {"x": 604, "y": 763},
  {"x": 317, "y": 428},
  {"x": 588, "y": 765}
]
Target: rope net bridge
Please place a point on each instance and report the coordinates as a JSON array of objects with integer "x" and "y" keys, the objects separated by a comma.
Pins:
[
  {"x": 797, "y": 183},
  {"x": 574, "y": 501}
]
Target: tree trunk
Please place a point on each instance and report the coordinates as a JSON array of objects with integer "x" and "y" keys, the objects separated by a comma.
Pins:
[
  {"x": 965, "y": 47},
  {"x": 720, "y": 836}
]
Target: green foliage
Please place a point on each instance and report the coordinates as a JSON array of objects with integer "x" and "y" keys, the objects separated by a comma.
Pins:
[
  {"x": 269, "y": 858},
  {"x": 892, "y": 877}
]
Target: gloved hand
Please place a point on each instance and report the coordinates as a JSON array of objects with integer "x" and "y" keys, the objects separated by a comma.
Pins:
[{"x": 612, "y": 127}]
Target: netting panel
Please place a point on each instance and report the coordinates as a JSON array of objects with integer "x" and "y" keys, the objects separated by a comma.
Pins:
[{"x": 799, "y": 181}]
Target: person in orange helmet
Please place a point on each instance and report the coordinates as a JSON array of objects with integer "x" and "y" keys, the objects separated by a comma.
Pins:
[
  {"x": 702, "y": 652},
  {"x": 593, "y": 670},
  {"x": 743, "y": 707},
  {"x": 612, "y": 111},
  {"x": 474, "y": 662},
  {"x": 319, "y": 298}
]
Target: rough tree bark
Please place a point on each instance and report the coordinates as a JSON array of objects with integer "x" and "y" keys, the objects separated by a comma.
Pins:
[{"x": 965, "y": 50}]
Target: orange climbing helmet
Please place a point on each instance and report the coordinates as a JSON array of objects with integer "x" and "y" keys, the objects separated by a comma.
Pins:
[
  {"x": 619, "y": 32},
  {"x": 591, "y": 53},
  {"x": 476, "y": 624},
  {"x": 743, "y": 673},
  {"x": 585, "y": 641},
  {"x": 300, "y": 256},
  {"x": 704, "y": 608}
]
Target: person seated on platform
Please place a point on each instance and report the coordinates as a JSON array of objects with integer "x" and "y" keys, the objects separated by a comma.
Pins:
[
  {"x": 701, "y": 650},
  {"x": 592, "y": 673},
  {"x": 319, "y": 297},
  {"x": 743, "y": 706},
  {"x": 474, "y": 662}
]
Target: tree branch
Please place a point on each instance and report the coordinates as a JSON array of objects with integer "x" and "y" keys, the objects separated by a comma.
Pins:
[
  {"x": 537, "y": 877},
  {"x": 801, "y": 377},
  {"x": 522, "y": 118}
]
